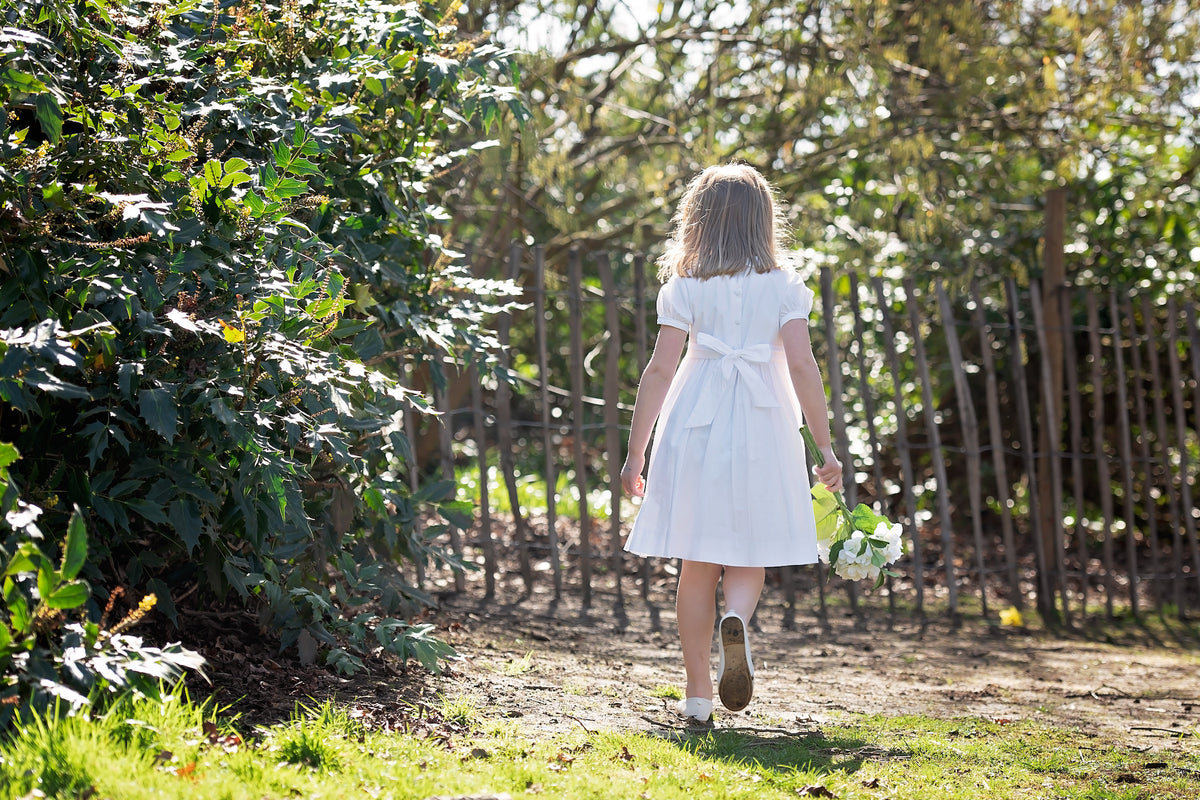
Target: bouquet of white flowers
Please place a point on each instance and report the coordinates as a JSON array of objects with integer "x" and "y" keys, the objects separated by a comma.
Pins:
[{"x": 856, "y": 543}]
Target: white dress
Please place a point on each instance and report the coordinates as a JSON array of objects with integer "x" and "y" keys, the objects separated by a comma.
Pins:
[{"x": 728, "y": 481}]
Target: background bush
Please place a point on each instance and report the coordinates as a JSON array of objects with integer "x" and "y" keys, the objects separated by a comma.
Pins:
[{"x": 219, "y": 257}]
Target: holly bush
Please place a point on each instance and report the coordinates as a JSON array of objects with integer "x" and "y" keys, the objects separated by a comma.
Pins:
[{"x": 220, "y": 257}]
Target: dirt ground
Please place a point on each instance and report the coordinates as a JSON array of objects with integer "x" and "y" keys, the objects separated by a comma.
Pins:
[{"x": 554, "y": 668}]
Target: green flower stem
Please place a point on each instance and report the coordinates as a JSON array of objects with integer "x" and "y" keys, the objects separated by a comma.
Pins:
[{"x": 819, "y": 459}]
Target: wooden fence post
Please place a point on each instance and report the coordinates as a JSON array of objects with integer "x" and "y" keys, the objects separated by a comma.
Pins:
[
  {"x": 612, "y": 430},
  {"x": 838, "y": 407},
  {"x": 446, "y": 452},
  {"x": 997, "y": 444},
  {"x": 1126, "y": 450},
  {"x": 1181, "y": 439},
  {"x": 908, "y": 475},
  {"x": 414, "y": 473},
  {"x": 485, "y": 514},
  {"x": 1164, "y": 453},
  {"x": 1098, "y": 438},
  {"x": 936, "y": 456},
  {"x": 1075, "y": 413},
  {"x": 970, "y": 428},
  {"x": 868, "y": 401},
  {"x": 539, "y": 326},
  {"x": 1028, "y": 445},
  {"x": 575, "y": 302},
  {"x": 504, "y": 439},
  {"x": 1051, "y": 437},
  {"x": 1144, "y": 455},
  {"x": 639, "y": 332}
]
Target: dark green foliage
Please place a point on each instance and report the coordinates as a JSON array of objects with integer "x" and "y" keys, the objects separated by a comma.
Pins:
[
  {"x": 219, "y": 257},
  {"x": 46, "y": 660}
]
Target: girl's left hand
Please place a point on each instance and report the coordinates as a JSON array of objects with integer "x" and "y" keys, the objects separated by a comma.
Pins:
[
  {"x": 830, "y": 473},
  {"x": 631, "y": 476}
]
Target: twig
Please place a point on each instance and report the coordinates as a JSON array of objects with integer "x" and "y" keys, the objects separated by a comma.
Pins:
[
  {"x": 1171, "y": 731},
  {"x": 577, "y": 719}
]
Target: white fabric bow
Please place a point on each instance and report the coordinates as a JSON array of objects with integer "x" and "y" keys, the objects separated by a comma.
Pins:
[{"x": 732, "y": 361}]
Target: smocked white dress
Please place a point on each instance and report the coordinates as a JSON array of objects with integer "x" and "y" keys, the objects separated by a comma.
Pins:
[{"x": 728, "y": 481}]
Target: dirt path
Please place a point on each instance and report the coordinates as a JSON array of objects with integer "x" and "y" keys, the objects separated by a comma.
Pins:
[{"x": 554, "y": 669}]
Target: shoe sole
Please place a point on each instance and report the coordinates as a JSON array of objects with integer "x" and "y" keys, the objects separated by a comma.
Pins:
[{"x": 737, "y": 681}]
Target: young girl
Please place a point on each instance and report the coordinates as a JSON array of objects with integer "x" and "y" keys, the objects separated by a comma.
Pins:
[{"x": 728, "y": 489}]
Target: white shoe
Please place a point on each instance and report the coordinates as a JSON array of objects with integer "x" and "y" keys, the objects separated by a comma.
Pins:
[
  {"x": 735, "y": 672},
  {"x": 695, "y": 708}
]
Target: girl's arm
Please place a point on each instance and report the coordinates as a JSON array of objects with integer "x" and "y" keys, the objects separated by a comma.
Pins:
[
  {"x": 810, "y": 391},
  {"x": 652, "y": 391}
]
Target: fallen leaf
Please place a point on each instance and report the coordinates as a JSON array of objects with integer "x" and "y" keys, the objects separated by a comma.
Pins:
[
  {"x": 625, "y": 755},
  {"x": 871, "y": 784},
  {"x": 815, "y": 791},
  {"x": 1011, "y": 617}
]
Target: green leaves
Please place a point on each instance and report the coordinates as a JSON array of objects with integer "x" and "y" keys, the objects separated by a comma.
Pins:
[
  {"x": 205, "y": 256},
  {"x": 157, "y": 408},
  {"x": 50, "y": 116},
  {"x": 75, "y": 549}
]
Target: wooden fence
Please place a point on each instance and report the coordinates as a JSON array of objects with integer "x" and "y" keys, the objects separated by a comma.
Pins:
[{"x": 945, "y": 413}]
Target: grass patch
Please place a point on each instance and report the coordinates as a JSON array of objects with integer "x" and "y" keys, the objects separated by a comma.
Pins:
[
  {"x": 667, "y": 692},
  {"x": 139, "y": 750}
]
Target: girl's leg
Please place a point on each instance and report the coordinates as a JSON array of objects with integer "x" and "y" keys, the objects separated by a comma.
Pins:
[
  {"x": 742, "y": 587},
  {"x": 696, "y": 614}
]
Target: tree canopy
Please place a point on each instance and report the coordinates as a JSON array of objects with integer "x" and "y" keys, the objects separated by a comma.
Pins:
[{"x": 917, "y": 135}]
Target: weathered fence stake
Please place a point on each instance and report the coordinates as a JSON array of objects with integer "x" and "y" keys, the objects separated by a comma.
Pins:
[
  {"x": 612, "y": 430},
  {"x": 1181, "y": 439},
  {"x": 504, "y": 440},
  {"x": 539, "y": 326},
  {"x": 639, "y": 332},
  {"x": 1126, "y": 451},
  {"x": 575, "y": 303},
  {"x": 1045, "y": 601},
  {"x": 1075, "y": 411},
  {"x": 935, "y": 453},
  {"x": 445, "y": 446},
  {"x": 868, "y": 401},
  {"x": 1098, "y": 438},
  {"x": 997, "y": 444},
  {"x": 838, "y": 408},
  {"x": 1143, "y": 427},
  {"x": 485, "y": 514},
  {"x": 970, "y": 429},
  {"x": 1164, "y": 453},
  {"x": 1052, "y": 437},
  {"x": 903, "y": 446}
]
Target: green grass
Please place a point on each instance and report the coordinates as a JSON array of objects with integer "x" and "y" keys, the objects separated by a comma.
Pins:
[{"x": 139, "y": 750}]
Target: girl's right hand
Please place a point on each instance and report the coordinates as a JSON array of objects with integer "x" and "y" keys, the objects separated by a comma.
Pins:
[{"x": 631, "y": 476}]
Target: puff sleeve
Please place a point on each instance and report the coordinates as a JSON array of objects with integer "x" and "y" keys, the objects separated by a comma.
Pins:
[
  {"x": 672, "y": 306},
  {"x": 797, "y": 301}
]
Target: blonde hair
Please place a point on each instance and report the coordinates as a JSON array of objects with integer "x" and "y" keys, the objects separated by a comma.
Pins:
[{"x": 727, "y": 222}]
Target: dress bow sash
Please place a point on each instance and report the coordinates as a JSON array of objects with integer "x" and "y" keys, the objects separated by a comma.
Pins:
[{"x": 733, "y": 363}]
